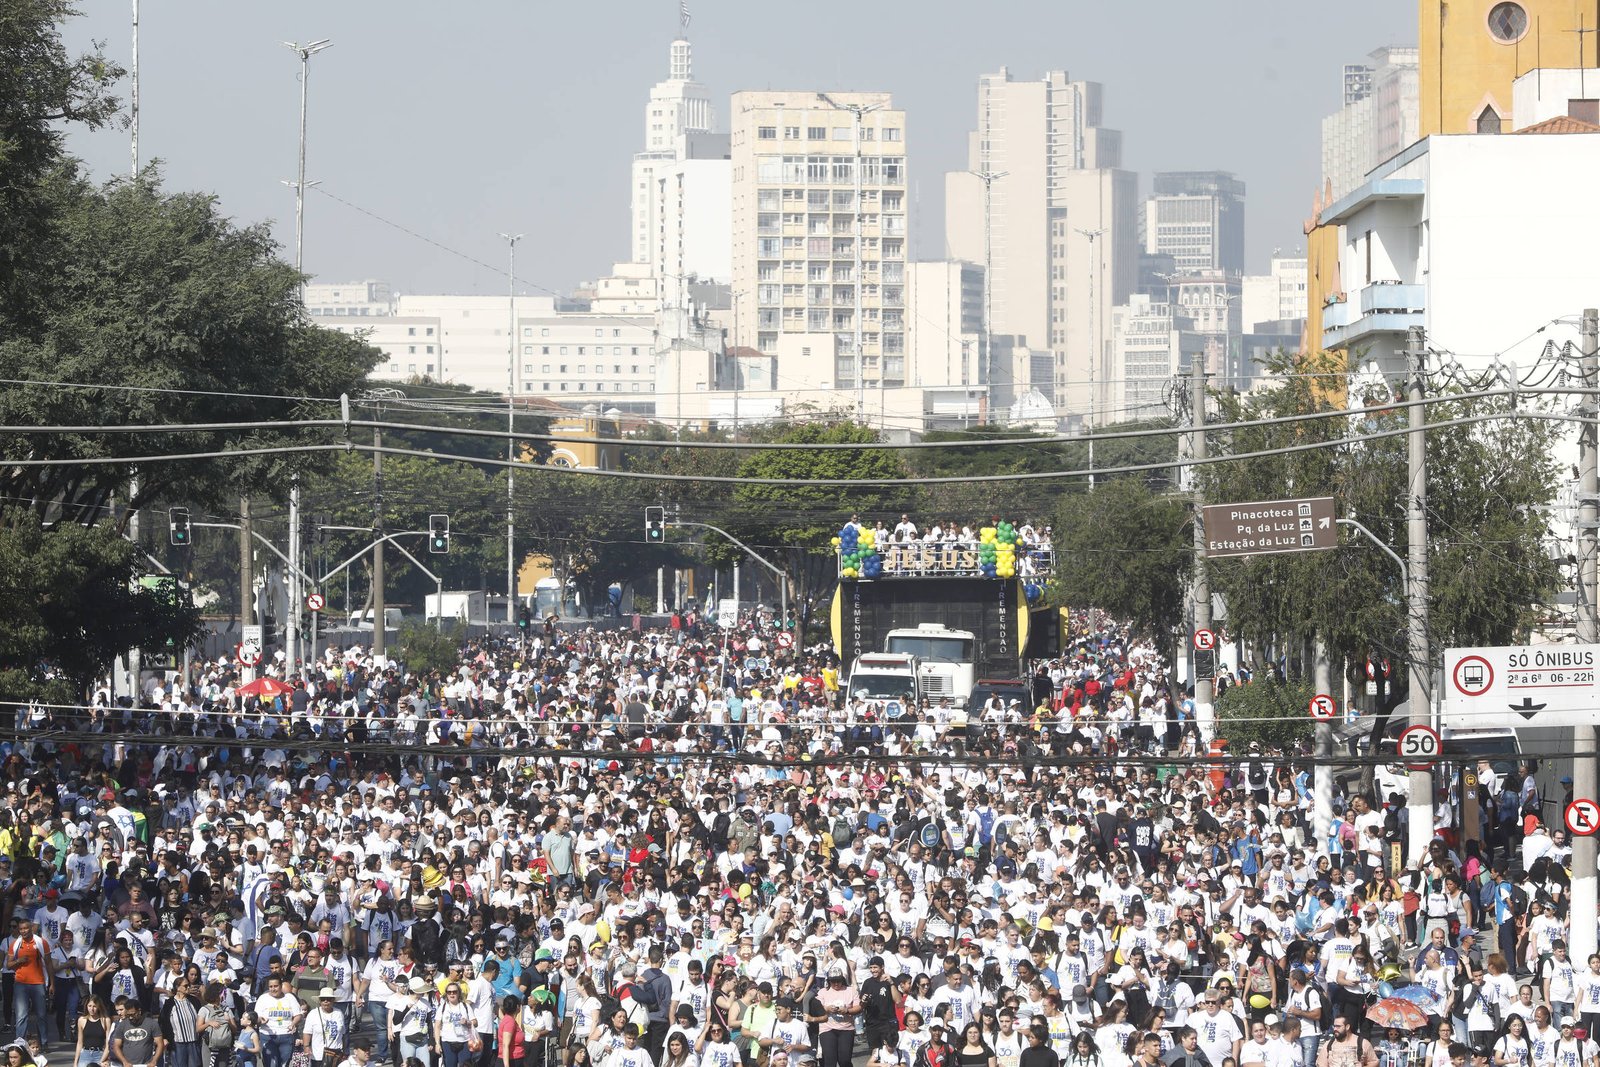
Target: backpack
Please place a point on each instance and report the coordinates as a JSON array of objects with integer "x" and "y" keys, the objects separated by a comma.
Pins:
[
  {"x": 220, "y": 1033},
  {"x": 843, "y": 833},
  {"x": 986, "y": 819}
]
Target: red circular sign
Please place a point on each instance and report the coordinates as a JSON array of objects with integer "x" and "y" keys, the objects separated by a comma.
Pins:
[
  {"x": 1324, "y": 707},
  {"x": 1583, "y": 817},
  {"x": 316, "y": 601},
  {"x": 249, "y": 655},
  {"x": 1472, "y": 676},
  {"x": 1205, "y": 640},
  {"x": 784, "y": 640},
  {"x": 1418, "y": 746}
]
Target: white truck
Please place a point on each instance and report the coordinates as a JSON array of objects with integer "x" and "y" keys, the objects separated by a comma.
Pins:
[
  {"x": 883, "y": 676},
  {"x": 946, "y": 663},
  {"x": 469, "y": 605}
]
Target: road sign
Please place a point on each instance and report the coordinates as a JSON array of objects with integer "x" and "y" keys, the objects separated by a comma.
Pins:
[
  {"x": 784, "y": 640},
  {"x": 1583, "y": 817},
  {"x": 727, "y": 613},
  {"x": 249, "y": 655},
  {"x": 1324, "y": 708},
  {"x": 1547, "y": 685},
  {"x": 316, "y": 601},
  {"x": 1304, "y": 524},
  {"x": 1418, "y": 746},
  {"x": 1205, "y": 640},
  {"x": 251, "y": 635}
]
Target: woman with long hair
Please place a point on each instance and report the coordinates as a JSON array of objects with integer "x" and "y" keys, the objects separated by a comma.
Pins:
[
  {"x": 94, "y": 1027},
  {"x": 972, "y": 1050}
]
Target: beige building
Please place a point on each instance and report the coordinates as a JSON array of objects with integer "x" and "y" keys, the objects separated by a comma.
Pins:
[
  {"x": 1380, "y": 115},
  {"x": 805, "y": 254},
  {"x": 677, "y": 122},
  {"x": 1059, "y": 180}
]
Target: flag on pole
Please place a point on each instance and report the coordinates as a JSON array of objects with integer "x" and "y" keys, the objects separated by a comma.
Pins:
[{"x": 683, "y": 13}]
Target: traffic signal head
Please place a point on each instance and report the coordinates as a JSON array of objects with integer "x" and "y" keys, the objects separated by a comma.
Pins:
[
  {"x": 524, "y": 618},
  {"x": 655, "y": 525},
  {"x": 178, "y": 526},
  {"x": 438, "y": 534}
]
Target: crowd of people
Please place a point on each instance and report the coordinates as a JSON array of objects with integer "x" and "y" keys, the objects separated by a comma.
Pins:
[{"x": 637, "y": 849}]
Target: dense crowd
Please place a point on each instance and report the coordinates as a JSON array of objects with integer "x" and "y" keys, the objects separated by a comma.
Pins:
[{"x": 636, "y": 849}]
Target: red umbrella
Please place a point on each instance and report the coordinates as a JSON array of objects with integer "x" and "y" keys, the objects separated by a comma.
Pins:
[
  {"x": 1392, "y": 1011},
  {"x": 264, "y": 687}
]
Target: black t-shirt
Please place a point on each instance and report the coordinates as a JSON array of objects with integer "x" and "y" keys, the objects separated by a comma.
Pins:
[
  {"x": 1039, "y": 1056},
  {"x": 877, "y": 1002}
]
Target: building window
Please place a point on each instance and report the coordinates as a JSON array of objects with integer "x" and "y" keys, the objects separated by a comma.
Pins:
[
  {"x": 429, "y": 349},
  {"x": 544, "y": 368},
  {"x": 891, "y": 134},
  {"x": 411, "y": 368},
  {"x": 411, "y": 331},
  {"x": 1507, "y": 23},
  {"x": 813, "y": 133},
  {"x": 411, "y": 350},
  {"x": 394, "y": 368},
  {"x": 1488, "y": 120},
  {"x": 766, "y": 133},
  {"x": 544, "y": 332},
  {"x": 791, "y": 133}
]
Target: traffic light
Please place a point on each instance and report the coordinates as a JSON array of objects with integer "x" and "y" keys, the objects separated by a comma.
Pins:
[
  {"x": 655, "y": 525},
  {"x": 438, "y": 534},
  {"x": 524, "y": 618},
  {"x": 178, "y": 526}
]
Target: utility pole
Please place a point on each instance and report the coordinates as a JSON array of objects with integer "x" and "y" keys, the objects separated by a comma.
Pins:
[
  {"x": 377, "y": 529},
  {"x": 1322, "y": 774},
  {"x": 305, "y": 52},
  {"x": 133, "y": 94},
  {"x": 1094, "y": 353},
  {"x": 1585, "y": 775},
  {"x": 988, "y": 178},
  {"x": 1203, "y": 714},
  {"x": 247, "y": 592},
  {"x": 511, "y": 240},
  {"x": 1419, "y": 805},
  {"x": 292, "y": 637}
]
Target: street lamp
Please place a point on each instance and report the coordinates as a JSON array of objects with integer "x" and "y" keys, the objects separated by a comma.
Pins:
[
  {"x": 856, "y": 111},
  {"x": 1094, "y": 343},
  {"x": 988, "y": 178},
  {"x": 511, "y": 240},
  {"x": 305, "y": 52}
]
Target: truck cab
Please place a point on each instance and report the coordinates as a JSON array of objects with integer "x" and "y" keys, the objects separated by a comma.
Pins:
[
  {"x": 945, "y": 659},
  {"x": 884, "y": 676}
]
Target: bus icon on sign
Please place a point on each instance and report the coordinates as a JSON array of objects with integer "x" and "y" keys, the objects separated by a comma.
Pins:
[{"x": 1472, "y": 675}]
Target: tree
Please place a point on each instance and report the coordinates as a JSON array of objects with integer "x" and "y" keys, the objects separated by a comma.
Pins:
[
  {"x": 73, "y": 604},
  {"x": 1126, "y": 549}
]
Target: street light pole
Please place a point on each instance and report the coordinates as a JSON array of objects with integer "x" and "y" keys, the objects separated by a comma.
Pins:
[
  {"x": 511, "y": 240},
  {"x": 857, "y": 111},
  {"x": 1585, "y": 774},
  {"x": 1094, "y": 344},
  {"x": 305, "y": 52},
  {"x": 1419, "y": 805},
  {"x": 988, "y": 178}
]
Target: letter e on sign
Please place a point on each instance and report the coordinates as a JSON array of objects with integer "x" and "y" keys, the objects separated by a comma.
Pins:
[
  {"x": 1583, "y": 817},
  {"x": 1324, "y": 708}
]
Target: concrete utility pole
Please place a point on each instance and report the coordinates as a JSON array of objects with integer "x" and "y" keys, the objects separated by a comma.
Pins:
[
  {"x": 1419, "y": 805},
  {"x": 1585, "y": 775},
  {"x": 988, "y": 178},
  {"x": 1203, "y": 713},
  {"x": 377, "y": 529},
  {"x": 247, "y": 593},
  {"x": 292, "y": 638},
  {"x": 511, "y": 240},
  {"x": 133, "y": 94},
  {"x": 305, "y": 52},
  {"x": 1322, "y": 772}
]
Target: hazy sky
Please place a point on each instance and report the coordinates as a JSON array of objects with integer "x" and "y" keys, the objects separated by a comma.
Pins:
[{"x": 462, "y": 119}]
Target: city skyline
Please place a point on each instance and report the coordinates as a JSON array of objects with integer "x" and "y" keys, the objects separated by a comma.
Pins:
[{"x": 389, "y": 143}]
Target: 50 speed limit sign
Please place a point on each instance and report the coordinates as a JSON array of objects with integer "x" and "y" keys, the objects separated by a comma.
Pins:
[{"x": 1418, "y": 746}]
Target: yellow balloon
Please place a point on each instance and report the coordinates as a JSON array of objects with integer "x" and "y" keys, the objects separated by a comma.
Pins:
[
  {"x": 744, "y": 891},
  {"x": 835, "y": 542}
]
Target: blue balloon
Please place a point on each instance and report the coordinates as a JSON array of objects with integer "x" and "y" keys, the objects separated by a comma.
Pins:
[
  {"x": 849, "y": 894},
  {"x": 1385, "y": 989}
]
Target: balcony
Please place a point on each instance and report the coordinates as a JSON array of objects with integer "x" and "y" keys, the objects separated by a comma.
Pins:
[{"x": 1380, "y": 308}]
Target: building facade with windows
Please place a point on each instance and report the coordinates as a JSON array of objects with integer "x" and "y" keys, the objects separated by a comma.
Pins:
[
  {"x": 1380, "y": 115},
  {"x": 1153, "y": 345},
  {"x": 799, "y": 234},
  {"x": 678, "y": 123},
  {"x": 1197, "y": 218}
]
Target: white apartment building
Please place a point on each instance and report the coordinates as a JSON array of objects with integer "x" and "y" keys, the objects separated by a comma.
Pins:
[
  {"x": 1197, "y": 218},
  {"x": 805, "y": 253},
  {"x": 678, "y": 109},
  {"x": 1053, "y": 178},
  {"x": 944, "y": 302},
  {"x": 1278, "y": 296},
  {"x": 1153, "y": 346},
  {"x": 1381, "y": 114},
  {"x": 1432, "y": 239},
  {"x": 333, "y": 299}
]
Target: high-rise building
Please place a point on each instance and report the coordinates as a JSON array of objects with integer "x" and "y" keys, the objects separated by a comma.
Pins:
[
  {"x": 1153, "y": 342},
  {"x": 1197, "y": 218},
  {"x": 1279, "y": 296},
  {"x": 806, "y": 253},
  {"x": 1379, "y": 117},
  {"x": 1052, "y": 181},
  {"x": 677, "y": 126}
]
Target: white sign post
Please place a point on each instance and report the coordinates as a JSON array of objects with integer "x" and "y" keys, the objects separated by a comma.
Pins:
[
  {"x": 1519, "y": 685},
  {"x": 727, "y": 614}
]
